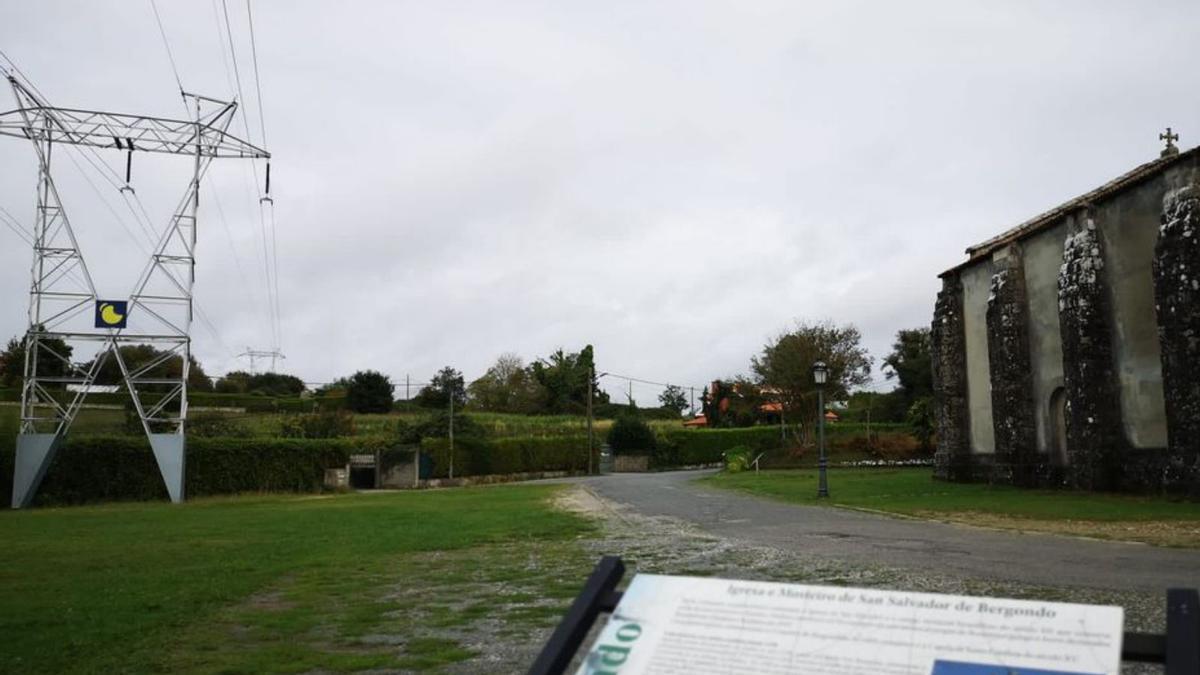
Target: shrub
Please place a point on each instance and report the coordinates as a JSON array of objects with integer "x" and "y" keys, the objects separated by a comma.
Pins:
[
  {"x": 737, "y": 459},
  {"x": 206, "y": 425},
  {"x": 326, "y": 424},
  {"x": 631, "y": 435},
  {"x": 437, "y": 425},
  {"x": 920, "y": 418}
]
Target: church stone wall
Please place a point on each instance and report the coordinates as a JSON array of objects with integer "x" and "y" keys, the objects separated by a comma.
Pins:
[
  {"x": 1043, "y": 254},
  {"x": 1128, "y": 227},
  {"x": 1015, "y": 432},
  {"x": 1177, "y": 298},
  {"x": 1072, "y": 355},
  {"x": 976, "y": 284},
  {"x": 1093, "y": 414},
  {"x": 949, "y": 359}
]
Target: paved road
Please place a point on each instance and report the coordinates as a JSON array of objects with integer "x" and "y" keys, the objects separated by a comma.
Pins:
[{"x": 855, "y": 536}]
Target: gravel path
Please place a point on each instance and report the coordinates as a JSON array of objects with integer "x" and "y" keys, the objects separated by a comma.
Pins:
[
  {"x": 955, "y": 551},
  {"x": 711, "y": 540}
]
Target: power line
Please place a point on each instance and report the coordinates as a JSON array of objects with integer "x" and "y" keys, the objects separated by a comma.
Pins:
[
  {"x": 170, "y": 57},
  {"x": 16, "y": 227},
  {"x": 271, "y": 275},
  {"x": 262, "y": 128},
  {"x": 262, "y": 123}
]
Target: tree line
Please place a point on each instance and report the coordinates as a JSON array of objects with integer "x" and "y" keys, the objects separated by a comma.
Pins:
[{"x": 779, "y": 383}]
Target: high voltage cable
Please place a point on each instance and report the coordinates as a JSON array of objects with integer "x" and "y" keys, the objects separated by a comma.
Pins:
[
  {"x": 262, "y": 122},
  {"x": 262, "y": 128},
  {"x": 271, "y": 275},
  {"x": 16, "y": 226},
  {"x": 170, "y": 57},
  {"x": 233, "y": 249}
]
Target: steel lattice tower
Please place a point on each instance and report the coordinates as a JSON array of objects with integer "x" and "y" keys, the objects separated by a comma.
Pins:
[{"x": 159, "y": 309}]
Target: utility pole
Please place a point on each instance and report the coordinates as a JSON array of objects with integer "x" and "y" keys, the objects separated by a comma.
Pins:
[
  {"x": 782, "y": 427},
  {"x": 591, "y": 385},
  {"x": 451, "y": 434},
  {"x": 406, "y": 389},
  {"x": 692, "y": 401},
  {"x": 869, "y": 397}
]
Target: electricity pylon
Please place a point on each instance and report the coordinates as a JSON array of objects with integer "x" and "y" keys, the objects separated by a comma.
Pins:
[
  {"x": 158, "y": 311},
  {"x": 254, "y": 354}
]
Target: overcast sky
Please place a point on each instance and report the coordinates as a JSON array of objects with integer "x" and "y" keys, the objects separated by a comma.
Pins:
[{"x": 673, "y": 182}]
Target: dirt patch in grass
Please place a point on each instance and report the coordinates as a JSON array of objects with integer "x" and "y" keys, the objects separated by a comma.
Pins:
[
  {"x": 1175, "y": 533},
  {"x": 489, "y": 608}
]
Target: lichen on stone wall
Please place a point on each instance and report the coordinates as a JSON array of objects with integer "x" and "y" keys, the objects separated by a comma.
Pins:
[
  {"x": 1016, "y": 460},
  {"x": 1177, "y": 303},
  {"x": 1093, "y": 421},
  {"x": 949, "y": 361}
]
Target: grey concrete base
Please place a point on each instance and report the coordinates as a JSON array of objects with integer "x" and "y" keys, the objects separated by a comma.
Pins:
[
  {"x": 169, "y": 453},
  {"x": 33, "y": 457}
]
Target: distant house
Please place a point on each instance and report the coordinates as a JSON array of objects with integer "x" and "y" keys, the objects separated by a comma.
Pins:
[{"x": 697, "y": 421}]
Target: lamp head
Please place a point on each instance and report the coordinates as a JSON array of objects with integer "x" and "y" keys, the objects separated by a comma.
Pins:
[{"x": 820, "y": 372}]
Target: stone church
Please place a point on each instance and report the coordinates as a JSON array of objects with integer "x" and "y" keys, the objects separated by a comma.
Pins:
[{"x": 1066, "y": 350}]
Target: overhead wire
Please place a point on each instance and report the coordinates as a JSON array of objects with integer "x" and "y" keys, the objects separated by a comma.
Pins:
[
  {"x": 262, "y": 127},
  {"x": 170, "y": 57},
  {"x": 16, "y": 226},
  {"x": 270, "y": 273}
]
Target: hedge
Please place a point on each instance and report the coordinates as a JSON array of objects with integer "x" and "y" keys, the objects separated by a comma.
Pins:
[
  {"x": 686, "y": 447},
  {"x": 121, "y": 468},
  {"x": 479, "y": 457}
]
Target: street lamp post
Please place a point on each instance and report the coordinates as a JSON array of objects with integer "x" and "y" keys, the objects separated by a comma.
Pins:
[
  {"x": 820, "y": 371},
  {"x": 594, "y": 378}
]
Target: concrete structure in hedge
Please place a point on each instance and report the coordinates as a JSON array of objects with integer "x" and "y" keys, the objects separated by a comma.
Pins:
[{"x": 1066, "y": 351}]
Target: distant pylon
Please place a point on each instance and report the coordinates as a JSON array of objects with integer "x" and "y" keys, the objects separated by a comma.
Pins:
[{"x": 254, "y": 354}]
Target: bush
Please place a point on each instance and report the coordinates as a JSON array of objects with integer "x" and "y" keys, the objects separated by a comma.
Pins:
[
  {"x": 920, "y": 418},
  {"x": 619, "y": 410},
  {"x": 328, "y": 424},
  {"x": 110, "y": 468},
  {"x": 200, "y": 425},
  {"x": 737, "y": 459},
  {"x": 631, "y": 436},
  {"x": 437, "y": 425}
]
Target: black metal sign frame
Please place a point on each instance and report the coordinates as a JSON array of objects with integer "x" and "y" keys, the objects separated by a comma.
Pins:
[{"x": 1178, "y": 650}]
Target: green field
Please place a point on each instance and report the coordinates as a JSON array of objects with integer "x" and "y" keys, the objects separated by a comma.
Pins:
[
  {"x": 914, "y": 492},
  {"x": 279, "y": 584}
]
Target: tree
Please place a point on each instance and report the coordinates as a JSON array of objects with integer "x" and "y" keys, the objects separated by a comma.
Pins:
[
  {"x": 448, "y": 382},
  {"x": 163, "y": 364},
  {"x": 920, "y": 418},
  {"x": 566, "y": 378},
  {"x": 369, "y": 391},
  {"x": 910, "y": 363},
  {"x": 267, "y": 384},
  {"x": 508, "y": 386},
  {"x": 336, "y": 388},
  {"x": 785, "y": 365},
  {"x": 12, "y": 363},
  {"x": 12, "y": 360},
  {"x": 673, "y": 397}
]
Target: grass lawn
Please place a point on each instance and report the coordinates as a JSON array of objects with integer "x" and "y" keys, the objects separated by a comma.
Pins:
[
  {"x": 281, "y": 583},
  {"x": 912, "y": 491}
]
